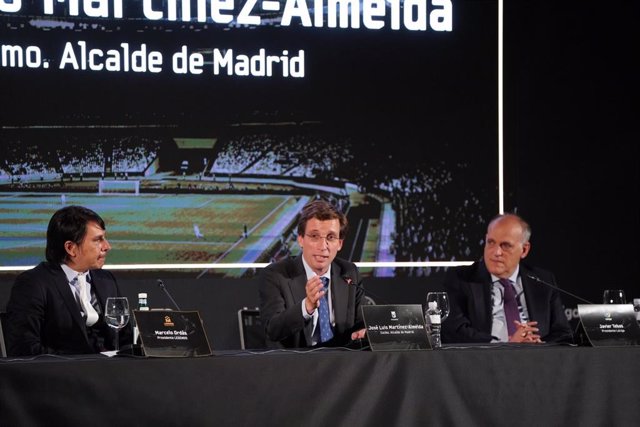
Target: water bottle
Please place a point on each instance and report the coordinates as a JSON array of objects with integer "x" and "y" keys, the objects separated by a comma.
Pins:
[
  {"x": 142, "y": 306},
  {"x": 434, "y": 323},
  {"x": 142, "y": 302}
]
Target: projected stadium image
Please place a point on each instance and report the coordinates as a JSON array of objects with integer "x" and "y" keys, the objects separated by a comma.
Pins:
[{"x": 189, "y": 165}]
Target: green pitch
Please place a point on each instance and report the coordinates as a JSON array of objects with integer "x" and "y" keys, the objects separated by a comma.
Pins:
[{"x": 152, "y": 229}]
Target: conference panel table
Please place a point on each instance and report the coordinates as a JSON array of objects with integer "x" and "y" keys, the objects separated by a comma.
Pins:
[{"x": 455, "y": 386}]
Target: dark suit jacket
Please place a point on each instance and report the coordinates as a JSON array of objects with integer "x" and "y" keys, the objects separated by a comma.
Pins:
[
  {"x": 470, "y": 317},
  {"x": 44, "y": 317},
  {"x": 282, "y": 289}
]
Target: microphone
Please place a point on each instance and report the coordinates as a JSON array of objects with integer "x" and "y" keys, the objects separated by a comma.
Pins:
[
  {"x": 351, "y": 282},
  {"x": 164, "y": 288},
  {"x": 544, "y": 282},
  {"x": 359, "y": 343},
  {"x": 580, "y": 335},
  {"x": 190, "y": 327}
]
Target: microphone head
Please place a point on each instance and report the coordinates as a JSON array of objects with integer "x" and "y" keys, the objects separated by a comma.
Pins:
[{"x": 160, "y": 283}]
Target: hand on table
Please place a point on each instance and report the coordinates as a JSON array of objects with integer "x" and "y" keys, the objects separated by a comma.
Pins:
[
  {"x": 527, "y": 332},
  {"x": 358, "y": 334}
]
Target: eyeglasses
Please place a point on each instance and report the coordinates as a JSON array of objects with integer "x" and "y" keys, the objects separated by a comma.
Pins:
[
  {"x": 317, "y": 238},
  {"x": 504, "y": 246}
]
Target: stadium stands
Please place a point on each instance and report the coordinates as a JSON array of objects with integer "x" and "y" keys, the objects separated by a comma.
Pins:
[{"x": 425, "y": 213}]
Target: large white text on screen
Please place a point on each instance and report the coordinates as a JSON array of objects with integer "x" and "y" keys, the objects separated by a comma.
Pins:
[
  {"x": 141, "y": 60},
  {"x": 412, "y": 15}
]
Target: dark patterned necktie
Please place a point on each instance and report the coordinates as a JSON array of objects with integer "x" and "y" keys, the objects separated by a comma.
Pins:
[
  {"x": 324, "y": 319},
  {"x": 510, "y": 305}
]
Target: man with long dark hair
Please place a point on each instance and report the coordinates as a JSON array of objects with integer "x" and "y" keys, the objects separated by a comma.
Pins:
[{"x": 57, "y": 307}]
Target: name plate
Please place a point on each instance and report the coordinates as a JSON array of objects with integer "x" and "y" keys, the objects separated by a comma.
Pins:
[
  {"x": 395, "y": 327},
  {"x": 609, "y": 324},
  {"x": 167, "y": 333}
]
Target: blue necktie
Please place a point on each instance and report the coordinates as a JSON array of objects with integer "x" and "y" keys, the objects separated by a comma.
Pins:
[
  {"x": 510, "y": 305},
  {"x": 324, "y": 319}
]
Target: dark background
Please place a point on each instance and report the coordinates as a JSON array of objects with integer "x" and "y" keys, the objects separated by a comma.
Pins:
[{"x": 572, "y": 165}]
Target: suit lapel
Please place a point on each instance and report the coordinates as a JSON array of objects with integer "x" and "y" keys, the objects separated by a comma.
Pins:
[
  {"x": 62, "y": 285},
  {"x": 298, "y": 280},
  {"x": 531, "y": 296},
  {"x": 481, "y": 290},
  {"x": 100, "y": 289},
  {"x": 339, "y": 296},
  {"x": 297, "y": 285}
]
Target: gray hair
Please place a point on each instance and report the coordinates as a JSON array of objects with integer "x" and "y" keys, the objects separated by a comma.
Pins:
[{"x": 526, "y": 228}]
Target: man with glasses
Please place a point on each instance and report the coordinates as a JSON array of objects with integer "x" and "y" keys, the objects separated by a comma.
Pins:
[
  {"x": 313, "y": 299},
  {"x": 501, "y": 299}
]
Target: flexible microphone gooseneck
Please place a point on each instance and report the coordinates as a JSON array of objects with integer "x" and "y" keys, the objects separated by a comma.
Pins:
[
  {"x": 166, "y": 291},
  {"x": 544, "y": 282},
  {"x": 351, "y": 282},
  {"x": 579, "y": 335},
  {"x": 359, "y": 343}
]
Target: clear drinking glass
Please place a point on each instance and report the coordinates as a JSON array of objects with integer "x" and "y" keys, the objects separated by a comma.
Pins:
[
  {"x": 442, "y": 301},
  {"x": 614, "y": 296},
  {"x": 116, "y": 314}
]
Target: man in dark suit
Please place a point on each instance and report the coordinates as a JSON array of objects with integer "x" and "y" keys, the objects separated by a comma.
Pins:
[
  {"x": 480, "y": 293},
  {"x": 50, "y": 311},
  {"x": 293, "y": 296}
]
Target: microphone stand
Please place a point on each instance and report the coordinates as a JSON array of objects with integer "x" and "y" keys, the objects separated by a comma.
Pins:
[
  {"x": 579, "y": 331},
  {"x": 164, "y": 288},
  {"x": 544, "y": 282}
]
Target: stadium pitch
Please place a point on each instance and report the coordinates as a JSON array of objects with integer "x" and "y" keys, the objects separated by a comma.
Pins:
[{"x": 156, "y": 228}]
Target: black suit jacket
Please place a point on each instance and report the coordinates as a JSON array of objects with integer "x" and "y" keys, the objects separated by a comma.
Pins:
[
  {"x": 44, "y": 317},
  {"x": 470, "y": 317},
  {"x": 282, "y": 289}
]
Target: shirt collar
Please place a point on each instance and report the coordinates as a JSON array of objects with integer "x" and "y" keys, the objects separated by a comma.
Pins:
[
  {"x": 513, "y": 277},
  {"x": 311, "y": 273},
  {"x": 72, "y": 274}
]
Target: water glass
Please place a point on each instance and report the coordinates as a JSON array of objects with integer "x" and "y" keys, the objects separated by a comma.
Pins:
[
  {"x": 614, "y": 296},
  {"x": 116, "y": 315}
]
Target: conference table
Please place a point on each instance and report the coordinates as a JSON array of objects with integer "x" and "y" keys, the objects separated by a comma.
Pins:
[{"x": 491, "y": 385}]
